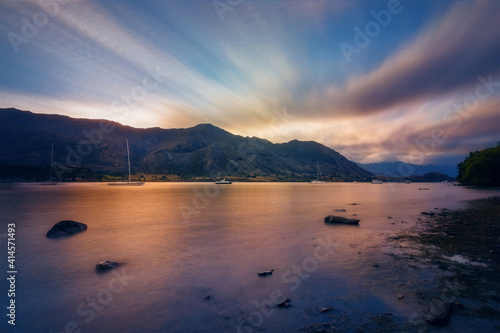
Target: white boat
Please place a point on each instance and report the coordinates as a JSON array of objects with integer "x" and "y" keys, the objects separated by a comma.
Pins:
[
  {"x": 224, "y": 182},
  {"x": 129, "y": 182},
  {"x": 50, "y": 182},
  {"x": 377, "y": 181},
  {"x": 319, "y": 177}
]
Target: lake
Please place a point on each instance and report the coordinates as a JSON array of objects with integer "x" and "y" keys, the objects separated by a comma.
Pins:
[{"x": 191, "y": 253}]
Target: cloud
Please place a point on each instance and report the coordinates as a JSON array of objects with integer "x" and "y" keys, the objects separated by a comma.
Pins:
[
  {"x": 448, "y": 57},
  {"x": 270, "y": 69}
]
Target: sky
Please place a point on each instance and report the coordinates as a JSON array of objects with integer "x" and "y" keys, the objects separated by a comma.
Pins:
[{"x": 415, "y": 81}]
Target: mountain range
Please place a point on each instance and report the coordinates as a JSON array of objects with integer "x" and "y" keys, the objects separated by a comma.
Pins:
[
  {"x": 200, "y": 151},
  {"x": 403, "y": 169}
]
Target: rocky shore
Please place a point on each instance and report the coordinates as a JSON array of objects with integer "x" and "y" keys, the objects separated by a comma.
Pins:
[{"x": 463, "y": 247}]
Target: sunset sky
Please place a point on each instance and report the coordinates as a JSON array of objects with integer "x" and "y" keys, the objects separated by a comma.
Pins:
[{"x": 417, "y": 81}]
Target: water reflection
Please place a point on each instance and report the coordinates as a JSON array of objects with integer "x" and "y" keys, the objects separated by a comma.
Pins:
[{"x": 232, "y": 233}]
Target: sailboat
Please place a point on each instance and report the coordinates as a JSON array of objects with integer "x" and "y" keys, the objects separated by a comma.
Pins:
[
  {"x": 50, "y": 182},
  {"x": 319, "y": 176},
  {"x": 129, "y": 182},
  {"x": 224, "y": 182}
]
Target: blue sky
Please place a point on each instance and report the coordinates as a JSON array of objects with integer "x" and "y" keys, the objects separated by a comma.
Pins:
[{"x": 417, "y": 81}]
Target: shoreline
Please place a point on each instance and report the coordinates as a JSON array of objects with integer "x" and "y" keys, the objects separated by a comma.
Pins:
[{"x": 463, "y": 248}]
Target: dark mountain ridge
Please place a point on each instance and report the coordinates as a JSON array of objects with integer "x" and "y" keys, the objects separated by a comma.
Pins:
[
  {"x": 403, "y": 169},
  {"x": 200, "y": 151}
]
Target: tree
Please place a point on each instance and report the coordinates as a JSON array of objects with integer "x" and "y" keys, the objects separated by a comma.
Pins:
[{"x": 481, "y": 168}]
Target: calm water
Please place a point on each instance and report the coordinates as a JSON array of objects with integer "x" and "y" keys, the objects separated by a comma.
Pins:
[{"x": 191, "y": 252}]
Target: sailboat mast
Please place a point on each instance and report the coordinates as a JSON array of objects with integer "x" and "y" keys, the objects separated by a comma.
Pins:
[
  {"x": 128, "y": 157},
  {"x": 51, "y": 162}
]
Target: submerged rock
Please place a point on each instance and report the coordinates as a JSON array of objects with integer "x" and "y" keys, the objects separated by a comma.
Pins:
[
  {"x": 284, "y": 304},
  {"x": 340, "y": 220},
  {"x": 439, "y": 312},
  {"x": 65, "y": 228},
  {"x": 106, "y": 265},
  {"x": 325, "y": 309},
  {"x": 266, "y": 273}
]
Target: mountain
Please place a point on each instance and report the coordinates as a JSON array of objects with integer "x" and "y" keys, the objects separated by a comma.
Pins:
[
  {"x": 98, "y": 146},
  {"x": 402, "y": 169}
]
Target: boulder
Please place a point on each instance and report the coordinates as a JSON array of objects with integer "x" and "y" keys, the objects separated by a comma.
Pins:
[
  {"x": 439, "y": 312},
  {"x": 340, "y": 220},
  {"x": 106, "y": 265},
  {"x": 65, "y": 228}
]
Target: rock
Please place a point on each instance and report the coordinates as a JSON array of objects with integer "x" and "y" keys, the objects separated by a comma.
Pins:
[
  {"x": 266, "y": 273},
  {"x": 65, "y": 228},
  {"x": 284, "y": 304},
  {"x": 106, "y": 265},
  {"x": 389, "y": 217},
  {"x": 424, "y": 189},
  {"x": 322, "y": 310},
  {"x": 376, "y": 265},
  {"x": 206, "y": 297},
  {"x": 339, "y": 210},
  {"x": 438, "y": 313},
  {"x": 428, "y": 213},
  {"x": 340, "y": 220}
]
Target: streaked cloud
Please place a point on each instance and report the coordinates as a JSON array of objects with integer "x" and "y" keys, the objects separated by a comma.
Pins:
[{"x": 271, "y": 69}]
